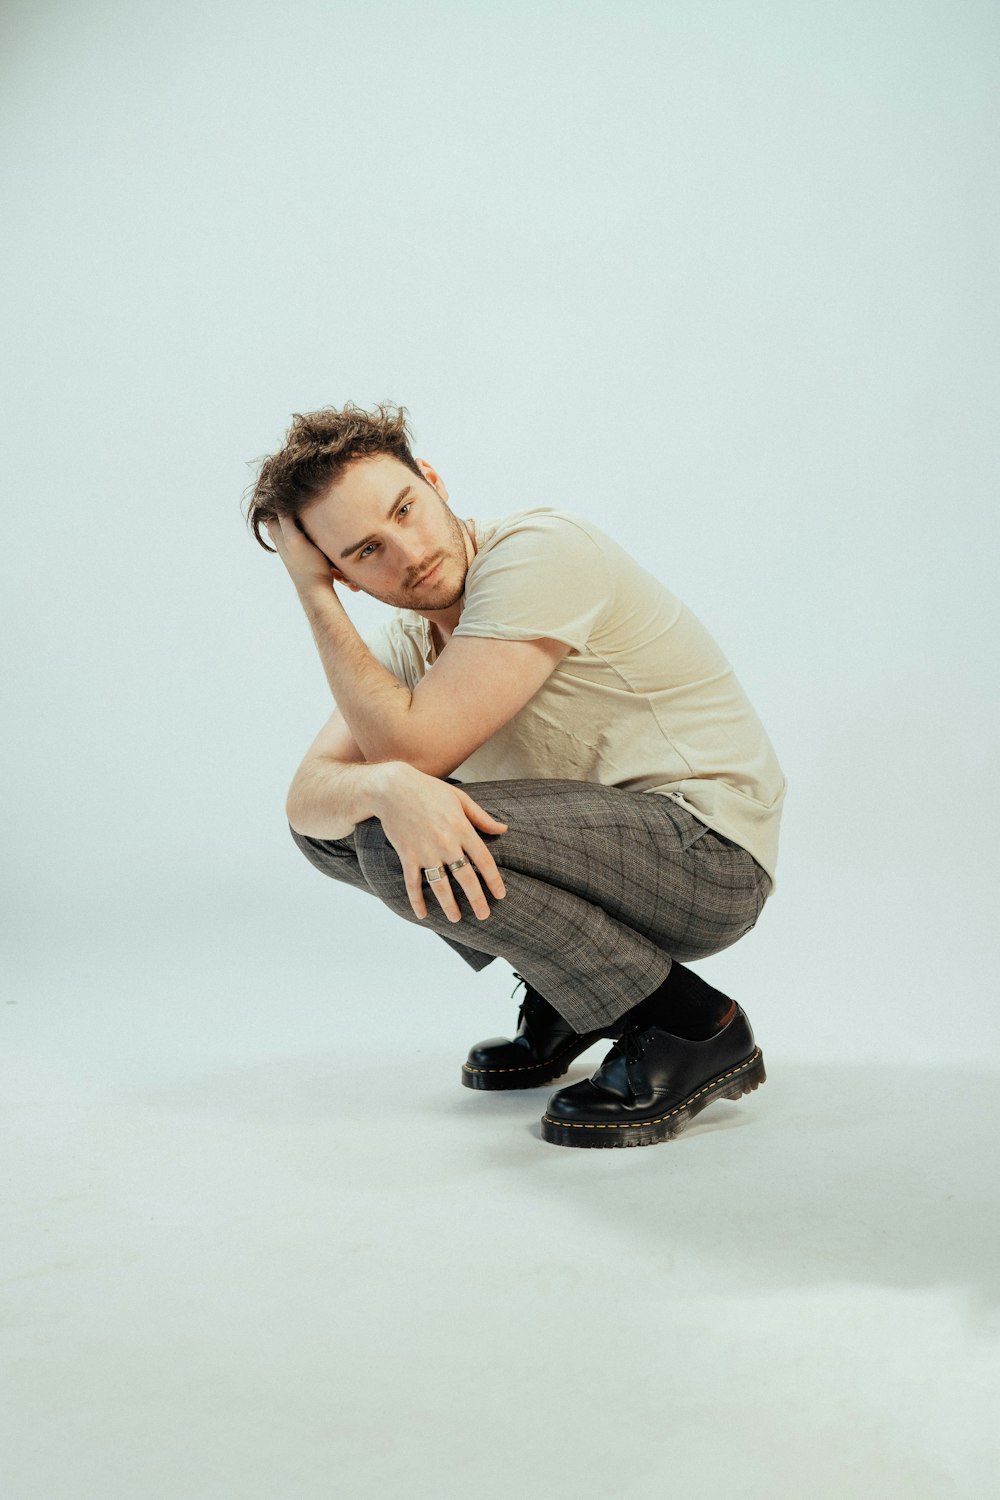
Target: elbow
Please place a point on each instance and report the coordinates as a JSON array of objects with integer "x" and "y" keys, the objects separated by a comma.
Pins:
[
  {"x": 293, "y": 802},
  {"x": 292, "y": 811},
  {"x": 422, "y": 759},
  {"x": 414, "y": 747},
  {"x": 439, "y": 766}
]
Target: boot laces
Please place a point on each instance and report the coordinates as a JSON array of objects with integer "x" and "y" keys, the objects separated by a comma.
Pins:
[
  {"x": 533, "y": 1008},
  {"x": 630, "y": 1044},
  {"x": 521, "y": 1008}
]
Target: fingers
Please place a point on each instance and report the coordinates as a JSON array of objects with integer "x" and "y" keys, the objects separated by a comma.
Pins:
[
  {"x": 485, "y": 864},
  {"x": 414, "y": 877},
  {"x": 469, "y": 882},
  {"x": 479, "y": 814},
  {"x": 467, "y": 878},
  {"x": 478, "y": 864},
  {"x": 276, "y": 532},
  {"x": 417, "y": 884}
]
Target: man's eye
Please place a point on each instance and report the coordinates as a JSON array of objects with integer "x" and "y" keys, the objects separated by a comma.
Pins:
[
  {"x": 364, "y": 550},
  {"x": 403, "y": 508}
]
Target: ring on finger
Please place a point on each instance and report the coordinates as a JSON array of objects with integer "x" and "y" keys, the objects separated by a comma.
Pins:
[
  {"x": 458, "y": 863},
  {"x": 435, "y": 872}
]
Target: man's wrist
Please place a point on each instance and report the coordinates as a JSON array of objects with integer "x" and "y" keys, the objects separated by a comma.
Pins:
[
  {"x": 387, "y": 778},
  {"x": 317, "y": 594}
]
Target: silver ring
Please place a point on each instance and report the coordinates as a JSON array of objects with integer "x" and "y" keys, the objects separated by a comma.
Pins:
[
  {"x": 434, "y": 872},
  {"x": 458, "y": 863}
]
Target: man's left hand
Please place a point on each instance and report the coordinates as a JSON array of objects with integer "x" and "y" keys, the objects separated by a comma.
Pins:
[{"x": 308, "y": 567}]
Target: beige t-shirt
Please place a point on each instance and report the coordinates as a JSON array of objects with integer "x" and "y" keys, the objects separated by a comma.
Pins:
[{"x": 645, "y": 700}]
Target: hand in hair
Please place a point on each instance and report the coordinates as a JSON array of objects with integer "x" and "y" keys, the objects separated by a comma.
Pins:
[{"x": 307, "y": 566}]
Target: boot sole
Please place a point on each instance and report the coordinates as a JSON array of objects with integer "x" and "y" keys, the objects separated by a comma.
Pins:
[
  {"x": 733, "y": 1084},
  {"x": 525, "y": 1075}
]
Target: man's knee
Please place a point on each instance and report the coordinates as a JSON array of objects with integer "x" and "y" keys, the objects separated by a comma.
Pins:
[
  {"x": 379, "y": 863},
  {"x": 333, "y": 857}
]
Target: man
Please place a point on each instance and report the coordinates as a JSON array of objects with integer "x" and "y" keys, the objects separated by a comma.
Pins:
[{"x": 543, "y": 755}]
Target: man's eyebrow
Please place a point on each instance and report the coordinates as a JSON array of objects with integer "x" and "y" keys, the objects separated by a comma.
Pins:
[{"x": 365, "y": 540}]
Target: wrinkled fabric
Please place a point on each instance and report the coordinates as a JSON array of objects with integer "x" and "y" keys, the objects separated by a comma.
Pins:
[{"x": 605, "y": 888}]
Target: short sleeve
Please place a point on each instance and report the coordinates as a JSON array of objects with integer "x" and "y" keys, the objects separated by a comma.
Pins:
[
  {"x": 397, "y": 651},
  {"x": 540, "y": 575}
]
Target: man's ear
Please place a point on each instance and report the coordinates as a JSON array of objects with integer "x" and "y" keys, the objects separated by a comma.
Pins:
[
  {"x": 355, "y": 588},
  {"x": 432, "y": 477}
]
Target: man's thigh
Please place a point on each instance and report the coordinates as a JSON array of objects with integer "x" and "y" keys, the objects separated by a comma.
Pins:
[
  {"x": 641, "y": 858},
  {"x": 646, "y": 861}
]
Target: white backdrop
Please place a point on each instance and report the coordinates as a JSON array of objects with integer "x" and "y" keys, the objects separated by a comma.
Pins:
[{"x": 722, "y": 278}]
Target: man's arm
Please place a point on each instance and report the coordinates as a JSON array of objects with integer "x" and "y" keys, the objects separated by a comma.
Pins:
[
  {"x": 475, "y": 687},
  {"x": 408, "y": 740},
  {"x": 334, "y": 789},
  {"x": 426, "y": 820}
]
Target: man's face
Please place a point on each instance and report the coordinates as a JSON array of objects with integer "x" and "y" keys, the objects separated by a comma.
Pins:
[{"x": 390, "y": 534}]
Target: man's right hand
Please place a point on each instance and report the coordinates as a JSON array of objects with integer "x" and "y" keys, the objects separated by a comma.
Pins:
[{"x": 430, "y": 822}]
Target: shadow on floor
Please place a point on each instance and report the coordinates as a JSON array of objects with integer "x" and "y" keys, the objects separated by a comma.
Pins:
[{"x": 851, "y": 1173}]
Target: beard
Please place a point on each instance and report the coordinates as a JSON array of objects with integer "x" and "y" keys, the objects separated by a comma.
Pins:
[{"x": 447, "y": 588}]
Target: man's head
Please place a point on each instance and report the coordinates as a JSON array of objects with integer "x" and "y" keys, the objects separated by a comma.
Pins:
[{"x": 349, "y": 480}]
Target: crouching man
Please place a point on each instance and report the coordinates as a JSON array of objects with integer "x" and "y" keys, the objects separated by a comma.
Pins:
[{"x": 542, "y": 755}]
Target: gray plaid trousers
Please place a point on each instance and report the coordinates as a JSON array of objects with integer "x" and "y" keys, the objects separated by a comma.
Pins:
[{"x": 605, "y": 888}]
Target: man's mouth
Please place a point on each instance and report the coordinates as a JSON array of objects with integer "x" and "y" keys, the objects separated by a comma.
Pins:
[{"x": 429, "y": 577}]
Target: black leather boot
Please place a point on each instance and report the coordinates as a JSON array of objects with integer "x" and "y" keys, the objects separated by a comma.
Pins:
[
  {"x": 542, "y": 1049},
  {"x": 651, "y": 1084}
]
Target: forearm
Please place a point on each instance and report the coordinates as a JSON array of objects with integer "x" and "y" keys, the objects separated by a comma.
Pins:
[
  {"x": 328, "y": 798},
  {"x": 426, "y": 820},
  {"x": 374, "y": 703}
]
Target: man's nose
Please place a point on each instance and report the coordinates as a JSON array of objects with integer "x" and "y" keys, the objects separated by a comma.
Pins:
[{"x": 411, "y": 552}]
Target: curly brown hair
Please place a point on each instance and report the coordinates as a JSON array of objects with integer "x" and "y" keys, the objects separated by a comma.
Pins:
[{"x": 318, "y": 447}]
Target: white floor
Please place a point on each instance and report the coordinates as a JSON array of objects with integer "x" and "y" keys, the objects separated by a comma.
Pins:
[{"x": 249, "y": 1255}]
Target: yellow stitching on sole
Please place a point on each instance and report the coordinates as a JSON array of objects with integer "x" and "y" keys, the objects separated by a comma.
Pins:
[{"x": 638, "y": 1124}]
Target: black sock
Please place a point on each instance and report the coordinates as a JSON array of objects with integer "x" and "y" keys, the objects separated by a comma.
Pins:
[{"x": 685, "y": 1005}]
